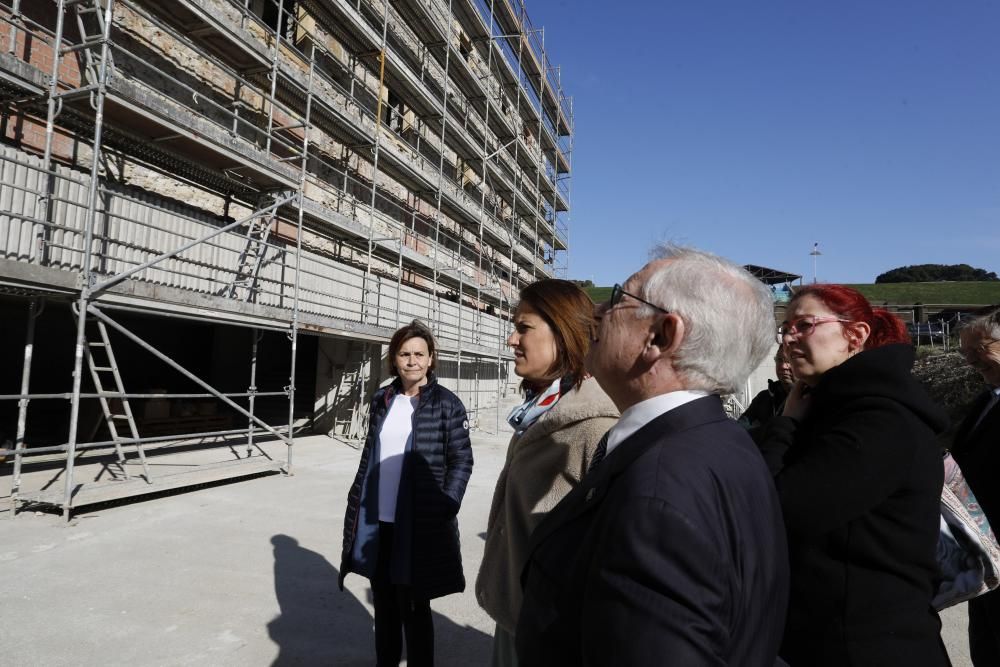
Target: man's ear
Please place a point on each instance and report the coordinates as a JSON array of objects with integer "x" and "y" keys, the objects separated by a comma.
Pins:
[{"x": 665, "y": 335}]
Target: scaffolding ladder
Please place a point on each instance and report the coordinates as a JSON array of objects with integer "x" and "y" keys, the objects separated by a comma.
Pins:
[
  {"x": 87, "y": 12},
  {"x": 104, "y": 366},
  {"x": 251, "y": 260}
]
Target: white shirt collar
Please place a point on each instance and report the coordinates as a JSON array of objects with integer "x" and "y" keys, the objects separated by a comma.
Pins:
[{"x": 646, "y": 411}]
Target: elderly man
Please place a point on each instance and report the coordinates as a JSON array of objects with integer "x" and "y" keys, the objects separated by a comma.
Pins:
[
  {"x": 976, "y": 450},
  {"x": 672, "y": 550}
]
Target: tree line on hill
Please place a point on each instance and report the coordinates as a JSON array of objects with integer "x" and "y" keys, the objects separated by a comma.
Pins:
[{"x": 929, "y": 273}]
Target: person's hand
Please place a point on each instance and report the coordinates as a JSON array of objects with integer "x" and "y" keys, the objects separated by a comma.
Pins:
[{"x": 798, "y": 401}]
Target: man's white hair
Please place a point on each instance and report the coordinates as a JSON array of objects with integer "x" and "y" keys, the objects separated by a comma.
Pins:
[
  {"x": 728, "y": 317},
  {"x": 987, "y": 324}
]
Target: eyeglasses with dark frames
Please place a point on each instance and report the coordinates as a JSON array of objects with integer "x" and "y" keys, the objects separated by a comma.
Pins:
[
  {"x": 804, "y": 326},
  {"x": 617, "y": 293},
  {"x": 976, "y": 351}
]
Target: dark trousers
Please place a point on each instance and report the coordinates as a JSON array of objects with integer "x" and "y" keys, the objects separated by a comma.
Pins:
[
  {"x": 984, "y": 629},
  {"x": 397, "y": 610}
]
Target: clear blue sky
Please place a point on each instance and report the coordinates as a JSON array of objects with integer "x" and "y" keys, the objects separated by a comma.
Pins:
[{"x": 754, "y": 129}]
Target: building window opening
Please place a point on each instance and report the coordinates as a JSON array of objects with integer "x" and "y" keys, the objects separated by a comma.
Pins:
[{"x": 268, "y": 11}]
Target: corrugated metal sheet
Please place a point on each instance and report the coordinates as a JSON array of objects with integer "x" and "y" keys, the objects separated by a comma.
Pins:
[{"x": 132, "y": 227}]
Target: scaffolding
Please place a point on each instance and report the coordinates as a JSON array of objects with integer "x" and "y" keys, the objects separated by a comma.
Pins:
[{"x": 329, "y": 168}]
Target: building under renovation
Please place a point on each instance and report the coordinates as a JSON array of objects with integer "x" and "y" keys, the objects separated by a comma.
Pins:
[{"x": 214, "y": 213}]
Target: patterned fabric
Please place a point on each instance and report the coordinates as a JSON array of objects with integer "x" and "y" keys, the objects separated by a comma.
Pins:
[
  {"x": 968, "y": 554},
  {"x": 534, "y": 406}
]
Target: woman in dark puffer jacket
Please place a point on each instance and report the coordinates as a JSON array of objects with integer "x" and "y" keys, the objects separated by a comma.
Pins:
[{"x": 400, "y": 529}]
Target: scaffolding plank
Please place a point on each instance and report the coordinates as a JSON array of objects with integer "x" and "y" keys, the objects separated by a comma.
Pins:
[
  {"x": 133, "y": 104},
  {"x": 215, "y": 26},
  {"x": 19, "y": 74}
]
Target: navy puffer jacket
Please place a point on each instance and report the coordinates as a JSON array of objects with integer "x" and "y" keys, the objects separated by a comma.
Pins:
[{"x": 436, "y": 470}]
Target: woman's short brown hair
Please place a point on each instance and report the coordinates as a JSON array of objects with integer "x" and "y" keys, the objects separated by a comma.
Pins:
[
  {"x": 415, "y": 329},
  {"x": 569, "y": 312}
]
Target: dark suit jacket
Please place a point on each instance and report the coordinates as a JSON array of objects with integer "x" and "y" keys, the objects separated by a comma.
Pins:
[
  {"x": 670, "y": 552},
  {"x": 977, "y": 452},
  {"x": 978, "y": 455}
]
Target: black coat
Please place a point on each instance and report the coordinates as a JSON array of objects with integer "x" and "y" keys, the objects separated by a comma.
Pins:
[
  {"x": 670, "y": 552},
  {"x": 977, "y": 452},
  {"x": 765, "y": 406},
  {"x": 860, "y": 485},
  {"x": 426, "y": 552}
]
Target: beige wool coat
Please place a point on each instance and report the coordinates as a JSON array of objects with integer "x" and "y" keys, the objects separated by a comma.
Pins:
[{"x": 543, "y": 464}]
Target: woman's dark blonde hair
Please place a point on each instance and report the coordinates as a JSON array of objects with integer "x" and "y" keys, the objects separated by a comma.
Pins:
[
  {"x": 569, "y": 312},
  {"x": 415, "y": 329}
]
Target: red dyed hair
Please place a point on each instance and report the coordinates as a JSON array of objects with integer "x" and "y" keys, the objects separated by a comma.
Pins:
[{"x": 849, "y": 303}]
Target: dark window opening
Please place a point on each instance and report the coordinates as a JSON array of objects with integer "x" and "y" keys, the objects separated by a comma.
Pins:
[
  {"x": 464, "y": 45},
  {"x": 267, "y": 10}
]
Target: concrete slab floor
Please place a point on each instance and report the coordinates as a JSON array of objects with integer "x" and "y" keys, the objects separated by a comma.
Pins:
[{"x": 240, "y": 574}]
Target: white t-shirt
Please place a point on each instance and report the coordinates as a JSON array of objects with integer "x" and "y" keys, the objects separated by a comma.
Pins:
[{"x": 397, "y": 430}]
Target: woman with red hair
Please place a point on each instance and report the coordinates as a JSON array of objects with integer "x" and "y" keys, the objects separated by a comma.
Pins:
[{"x": 859, "y": 475}]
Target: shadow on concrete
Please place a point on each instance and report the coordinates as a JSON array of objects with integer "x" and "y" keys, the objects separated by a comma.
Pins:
[{"x": 320, "y": 625}]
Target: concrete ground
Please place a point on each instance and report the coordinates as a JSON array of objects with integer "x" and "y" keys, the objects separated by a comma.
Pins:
[{"x": 238, "y": 574}]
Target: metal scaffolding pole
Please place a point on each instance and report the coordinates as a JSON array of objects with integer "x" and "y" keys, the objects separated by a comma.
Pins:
[
  {"x": 275, "y": 52},
  {"x": 294, "y": 333},
  {"x": 569, "y": 191},
  {"x": 541, "y": 114},
  {"x": 366, "y": 284},
  {"x": 91, "y": 215},
  {"x": 482, "y": 240},
  {"x": 515, "y": 272},
  {"x": 15, "y": 17},
  {"x": 434, "y": 299},
  {"x": 482, "y": 201},
  {"x": 53, "y": 107},
  {"x": 399, "y": 274},
  {"x": 252, "y": 389},
  {"x": 35, "y": 308}
]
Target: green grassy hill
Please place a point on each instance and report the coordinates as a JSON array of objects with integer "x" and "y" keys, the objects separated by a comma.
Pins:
[
  {"x": 598, "y": 294},
  {"x": 966, "y": 293},
  {"x": 957, "y": 293}
]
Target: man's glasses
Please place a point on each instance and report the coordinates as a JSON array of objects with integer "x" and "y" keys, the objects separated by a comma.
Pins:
[
  {"x": 617, "y": 293},
  {"x": 804, "y": 326}
]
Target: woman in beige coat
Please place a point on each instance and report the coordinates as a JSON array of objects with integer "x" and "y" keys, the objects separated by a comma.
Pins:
[{"x": 556, "y": 430}]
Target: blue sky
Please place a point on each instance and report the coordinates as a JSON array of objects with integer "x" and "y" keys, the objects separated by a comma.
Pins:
[{"x": 754, "y": 129}]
